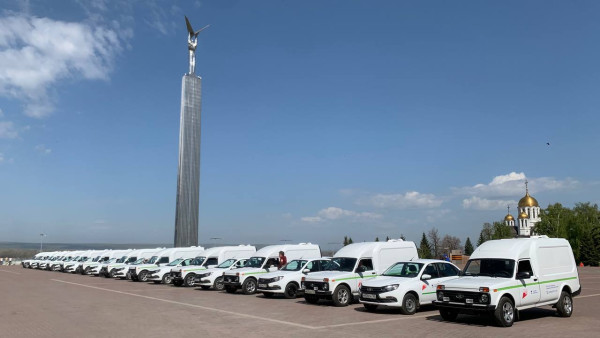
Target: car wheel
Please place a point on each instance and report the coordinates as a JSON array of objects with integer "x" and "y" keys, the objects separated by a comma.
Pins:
[
  {"x": 290, "y": 291},
  {"x": 409, "y": 304},
  {"x": 370, "y": 307},
  {"x": 564, "y": 307},
  {"x": 448, "y": 314},
  {"x": 268, "y": 294},
  {"x": 311, "y": 299},
  {"x": 342, "y": 296},
  {"x": 249, "y": 286},
  {"x": 112, "y": 273},
  {"x": 189, "y": 280},
  {"x": 505, "y": 312},
  {"x": 219, "y": 286},
  {"x": 230, "y": 289},
  {"x": 166, "y": 279},
  {"x": 143, "y": 276}
]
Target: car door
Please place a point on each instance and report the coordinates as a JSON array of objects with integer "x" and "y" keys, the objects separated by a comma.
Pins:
[
  {"x": 530, "y": 288},
  {"x": 364, "y": 270},
  {"x": 427, "y": 287}
]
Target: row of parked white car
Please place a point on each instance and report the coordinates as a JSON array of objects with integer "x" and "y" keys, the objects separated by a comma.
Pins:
[{"x": 501, "y": 277}]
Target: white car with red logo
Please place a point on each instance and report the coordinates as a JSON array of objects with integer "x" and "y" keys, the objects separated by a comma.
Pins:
[{"x": 407, "y": 285}]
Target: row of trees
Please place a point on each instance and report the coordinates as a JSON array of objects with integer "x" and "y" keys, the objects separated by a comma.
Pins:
[{"x": 433, "y": 245}]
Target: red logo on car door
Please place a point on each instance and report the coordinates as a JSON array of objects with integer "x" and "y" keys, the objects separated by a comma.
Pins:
[
  {"x": 524, "y": 294},
  {"x": 424, "y": 287}
]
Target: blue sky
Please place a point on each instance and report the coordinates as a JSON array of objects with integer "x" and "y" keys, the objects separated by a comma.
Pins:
[{"x": 320, "y": 118}]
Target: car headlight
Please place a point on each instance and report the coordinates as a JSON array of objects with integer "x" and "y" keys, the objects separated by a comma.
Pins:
[
  {"x": 390, "y": 287},
  {"x": 325, "y": 286},
  {"x": 277, "y": 279},
  {"x": 484, "y": 298},
  {"x": 440, "y": 296}
]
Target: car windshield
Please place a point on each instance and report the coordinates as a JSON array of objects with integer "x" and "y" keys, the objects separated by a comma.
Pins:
[
  {"x": 341, "y": 264},
  {"x": 404, "y": 269},
  {"x": 226, "y": 264},
  {"x": 294, "y": 265},
  {"x": 175, "y": 262},
  {"x": 491, "y": 267},
  {"x": 96, "y": 259},
  {"x": 254, "y": 262},
  {"x": 110, "y": 260},
  {"x": 131, "y": 259},
  {"x": 153, "y": 260},
  {"x": 139, "y": 261}
]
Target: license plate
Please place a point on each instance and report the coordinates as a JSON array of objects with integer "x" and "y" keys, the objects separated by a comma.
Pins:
[
  {"x": 262, "y": 285},
  {"x": 369, "y": 296},
  {"x": 312, "y": 292},
  {"x": 446, "y": 299},
  {"x": 469, "y": 301}
]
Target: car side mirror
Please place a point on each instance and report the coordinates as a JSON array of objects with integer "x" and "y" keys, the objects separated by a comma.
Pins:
[
  {"x": 361, "y": 269},
  {"x": 425, "y": 277},
  {"x": 305, "y": 271},
  {"x": 523, "y": 275}
]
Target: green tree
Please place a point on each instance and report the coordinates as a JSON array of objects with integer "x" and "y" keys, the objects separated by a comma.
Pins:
[
  {"x": 376, "y": 239},
  {"x": 424, "y": 248},
  {"x": 501, "y": 230},
  {"x": 481, "y": 239},
  {"x": 387, "y": 238},
  {"x": 345, "y": 240},
  {"x": 402, "y": 237},
  {"x": 589, "y": 251},
  {"x": 350, "y": 241},
  {"x": 468, "y": 247}
]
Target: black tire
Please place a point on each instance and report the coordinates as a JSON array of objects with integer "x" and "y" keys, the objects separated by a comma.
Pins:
[
  {"x": 291, "y": 291},
  {"x": 218, "y": 285},
  {"x": 166, "y": 279},
  {"x": 230, "y": 289},
  {"x": 370, "y": 307},
  {"x": 86, "y": 271},
  {"x": 504, "y": 316},
  {"x": 564, "y": 307},
  {"x": 268, "y": 294},
  {"x": 249, "y": 286},
  {"x": 342, "y": 296},
  {"x": 311, "y": 299},
  {"x": 205, "y": 287},
  {"x": 112, "y": 273},
  {"x": 449, "y": 314},
  {"x": 409, "y": 304},
  {"x": 178, "y": 282},
  {"x": 190, "y": 279}
]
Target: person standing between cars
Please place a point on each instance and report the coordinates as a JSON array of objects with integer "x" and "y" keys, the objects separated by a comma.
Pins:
[{"x": 282, "y": 260}]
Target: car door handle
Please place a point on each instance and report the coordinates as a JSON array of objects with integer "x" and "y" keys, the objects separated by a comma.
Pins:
[{"x": 535, "y": 279}]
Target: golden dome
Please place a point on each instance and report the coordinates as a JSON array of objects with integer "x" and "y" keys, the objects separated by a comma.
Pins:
[
  {"x": 523, "y": 215},
  {"x": 509, "y": 217},
  {"x": 528, "y": 201}
]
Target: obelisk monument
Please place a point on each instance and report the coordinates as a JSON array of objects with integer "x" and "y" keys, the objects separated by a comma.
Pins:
[{"x": 188, "y": 174}]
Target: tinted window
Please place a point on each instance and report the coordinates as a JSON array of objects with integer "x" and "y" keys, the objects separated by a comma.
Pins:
[
  {"x": 447, "y": 270},
  {"x": 211, "y": 261},
  {"x": 431, "y": 270},
  {"x": 525, "y": 266},
  {"x": 163, "y": 260},
  {"x": 366, "y": 263},
  {"x": 272, "y": 262}
]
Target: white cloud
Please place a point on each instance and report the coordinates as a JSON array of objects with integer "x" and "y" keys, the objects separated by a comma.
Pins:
[
  {"x": 479, "y": 203},
  {"x": 409, "y": 200},
  {"x": 42, "y": 149},
  {"x": 35, "y": 53},
  {"x": 513, "y": 184},
  {"x": 1, "y": 113},
  {"x": 334, "y": 213},
  {"x": 7, "y": 130}
]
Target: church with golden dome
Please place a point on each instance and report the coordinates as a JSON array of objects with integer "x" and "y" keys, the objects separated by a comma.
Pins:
[{"x": 529, "y": 215}]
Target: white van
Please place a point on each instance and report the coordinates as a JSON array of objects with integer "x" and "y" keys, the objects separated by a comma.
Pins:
[
  {"x": 95, "y": 261},
  {"x": 351, "y": 265},
  {"x": 112, "y": 257},
  {"x": 264, "y": 261},
  {"x": 75, "y": 266},
  {"x": 27, "y": 263},
  {"x": 286, "y": 281},
  {"x": 508, "y": 275},
  {"x": 183, "y": 258},
  {"x": 213, "y": 277},
  {"x": 143, "y": 257},
  {"x": 71, "y": 256},
  {"x": 123, "y": 263},
  {"x": 161, "y": 258},
  {"x": 212, "y": 257},
  {"x": 407, "y": 285},
  {"x": 47, "y": 263}
]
